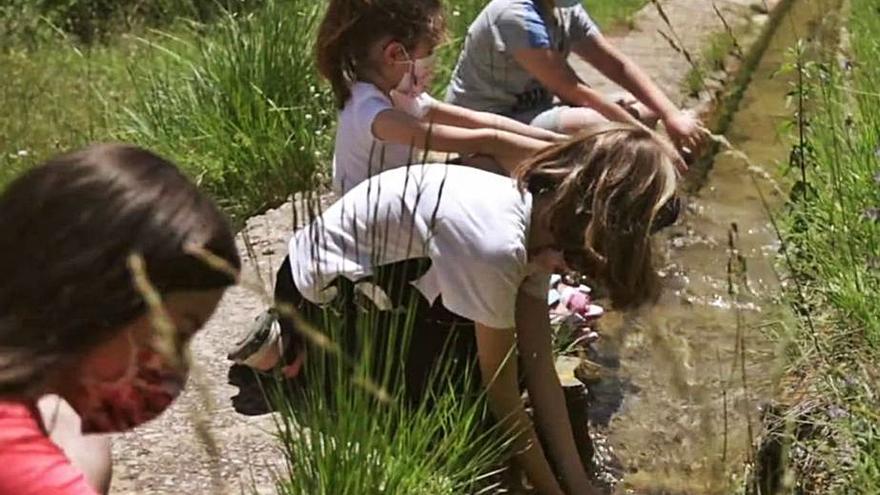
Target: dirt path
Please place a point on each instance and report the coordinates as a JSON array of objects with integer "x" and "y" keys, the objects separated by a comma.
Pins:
[{"x": 168, "y": 456}]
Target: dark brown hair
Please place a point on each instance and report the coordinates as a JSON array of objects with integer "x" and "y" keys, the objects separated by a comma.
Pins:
[
  {"x": 351, "y": 27},
  {"x": 610, "y": 187},
  {"x": 68, "y": 228}
]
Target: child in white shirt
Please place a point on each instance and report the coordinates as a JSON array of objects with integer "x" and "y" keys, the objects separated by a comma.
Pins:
[{"x": 378, "y": 58}]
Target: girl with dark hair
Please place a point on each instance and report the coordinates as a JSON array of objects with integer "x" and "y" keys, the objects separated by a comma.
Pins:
[
  {"x": 378, "y": 57},
  {"x": 477, "y": 250},
  {"x": 73, "y": 323}
]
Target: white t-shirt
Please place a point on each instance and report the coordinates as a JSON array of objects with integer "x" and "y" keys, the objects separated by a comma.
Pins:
[
  {"x": 473, "y": 226},
  {"x": 358, "y": 154}
]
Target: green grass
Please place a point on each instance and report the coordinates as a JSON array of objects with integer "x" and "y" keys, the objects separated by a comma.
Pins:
[
  {"x": 833, "y": 224},
  {"x": 94, "y": 21},
  {"x": 236, "y": 103},
  {"x": 57, "y": 97},
  {"x": 612, "y": 14},
  {"x": 833, "y": 238},
  {"x": 712, "y": 58}
]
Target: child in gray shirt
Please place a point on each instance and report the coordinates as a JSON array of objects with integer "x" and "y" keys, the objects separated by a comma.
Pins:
[{"x": 515, "y": 63}]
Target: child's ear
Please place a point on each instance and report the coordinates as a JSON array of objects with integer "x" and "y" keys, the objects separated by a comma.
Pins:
[{"x": 394, "y": 52}]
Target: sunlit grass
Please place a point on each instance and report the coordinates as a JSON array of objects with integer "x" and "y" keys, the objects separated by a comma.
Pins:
[
  {"x": 354, "y": 429},
  {"x": 833, "y": 234},
  {"x": 56, "y": 97}
]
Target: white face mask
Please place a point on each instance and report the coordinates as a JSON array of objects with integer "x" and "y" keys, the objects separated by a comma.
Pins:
[{"x": 413, "y": 83}]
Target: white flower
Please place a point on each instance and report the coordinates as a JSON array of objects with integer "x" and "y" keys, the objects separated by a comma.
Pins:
[{"x": 22, "y": 153}]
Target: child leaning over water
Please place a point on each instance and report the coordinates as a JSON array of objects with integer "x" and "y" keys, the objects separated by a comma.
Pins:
[
  {"x": 378, "y": 57},
  {"x": 465, "y": 257}
]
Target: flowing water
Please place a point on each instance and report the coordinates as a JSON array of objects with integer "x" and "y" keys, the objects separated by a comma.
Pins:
[{"x": 681, "y": 403}]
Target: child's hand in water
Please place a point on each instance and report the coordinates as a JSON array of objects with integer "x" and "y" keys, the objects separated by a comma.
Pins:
[
  {"x": 672, "y": 151},
  {"x": 685, "y": 130}
]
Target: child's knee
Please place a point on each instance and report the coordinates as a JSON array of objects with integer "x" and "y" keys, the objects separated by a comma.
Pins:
[
  {"x": 636, "y": 108},
  {"x": 574, "y": 119},
  {"x": 647, "y": 116}
]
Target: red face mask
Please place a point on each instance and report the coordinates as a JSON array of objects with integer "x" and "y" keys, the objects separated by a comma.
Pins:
[{"x": 143, "y": 392}]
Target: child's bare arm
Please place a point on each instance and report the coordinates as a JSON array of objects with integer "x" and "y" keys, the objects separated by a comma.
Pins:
[
  {"x": 615, "y": 65},
  {"x": 545, "y": 391},
  {"x": 496, "y": 348},
  {"x": 552, "y": 70},
  {"x": 507, "y": 148},
  {"x": 445, "y": 113}
]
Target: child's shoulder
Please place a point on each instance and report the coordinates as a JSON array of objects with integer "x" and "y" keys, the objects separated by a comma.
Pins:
[
  {"x": 365, "y": 91},
  {"x": 366, "y": 101}
]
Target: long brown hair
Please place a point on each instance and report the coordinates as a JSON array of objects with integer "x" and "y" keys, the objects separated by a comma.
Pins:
[
  {"x": 609, "y": 188},
  {"x": 68, "y": 227},
  {"x": 351, "y": 27}
]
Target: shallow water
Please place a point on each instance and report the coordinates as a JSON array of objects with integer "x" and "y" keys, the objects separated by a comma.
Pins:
[{"x": 681, "y": 404}]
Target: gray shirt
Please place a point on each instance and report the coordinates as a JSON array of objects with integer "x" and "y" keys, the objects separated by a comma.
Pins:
[{"x": 487, "y": 78}]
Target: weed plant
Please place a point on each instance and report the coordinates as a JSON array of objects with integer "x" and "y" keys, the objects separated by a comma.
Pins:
[
  {"x": 612, "y": 14},
  {"x": 91, "y": 21}
]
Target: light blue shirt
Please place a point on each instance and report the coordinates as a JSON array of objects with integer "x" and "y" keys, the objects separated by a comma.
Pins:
[{"x": 488, "y": 78}]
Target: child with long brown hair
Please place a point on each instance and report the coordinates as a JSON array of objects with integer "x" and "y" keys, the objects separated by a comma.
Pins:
[
  {"x": 476, "y": 251},
  {"x": 73, "y": 322},
  {"x": 378, "y": 57}
]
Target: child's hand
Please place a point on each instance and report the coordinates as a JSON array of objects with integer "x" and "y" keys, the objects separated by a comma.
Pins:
[
  {"x": 685, "y": 130},
  {"x": 672, "y": 152}
]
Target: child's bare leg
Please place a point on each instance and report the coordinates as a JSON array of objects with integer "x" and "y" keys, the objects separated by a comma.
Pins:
[{"x": 571, "y": 120}]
